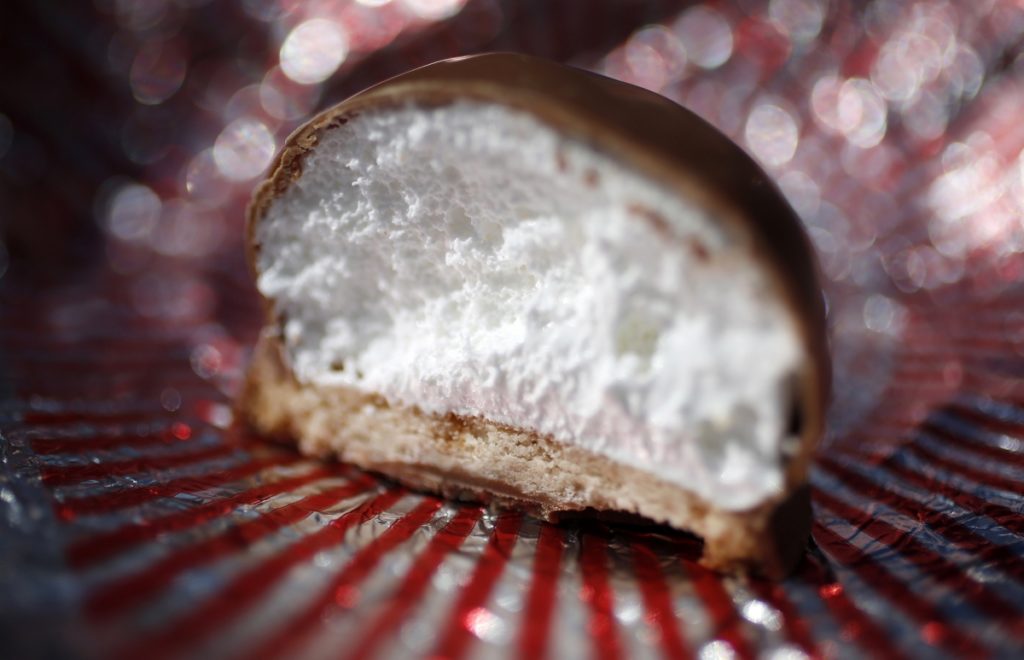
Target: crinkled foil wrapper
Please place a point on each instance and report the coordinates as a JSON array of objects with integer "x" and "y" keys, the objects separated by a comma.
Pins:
[{"x": 138, "y": 520}]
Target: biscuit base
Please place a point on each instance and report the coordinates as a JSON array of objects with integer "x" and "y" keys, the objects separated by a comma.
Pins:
[{"x": 475, "y": 459}]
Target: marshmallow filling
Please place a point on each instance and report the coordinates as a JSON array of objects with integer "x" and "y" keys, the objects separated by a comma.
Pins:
[{"x": 471, "y": 259}]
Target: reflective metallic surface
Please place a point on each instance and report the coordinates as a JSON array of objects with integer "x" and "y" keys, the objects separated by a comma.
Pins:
[{"x": 138, "y": 520}]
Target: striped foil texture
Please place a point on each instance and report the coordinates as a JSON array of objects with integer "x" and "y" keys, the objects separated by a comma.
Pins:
[{"x": 138, "y": 520}]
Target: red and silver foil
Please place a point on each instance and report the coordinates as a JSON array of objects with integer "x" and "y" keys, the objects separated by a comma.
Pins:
[{"x": 137, "y": 520}]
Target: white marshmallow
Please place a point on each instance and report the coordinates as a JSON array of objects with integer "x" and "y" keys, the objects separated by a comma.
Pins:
[{"x": 471, "y": 259}]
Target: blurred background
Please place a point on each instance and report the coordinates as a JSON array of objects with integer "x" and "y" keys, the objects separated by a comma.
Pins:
[{"x": 133, "y": 131}]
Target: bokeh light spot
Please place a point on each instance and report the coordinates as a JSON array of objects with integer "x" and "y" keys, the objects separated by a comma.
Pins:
[
  {"x": 966, "y": 72},
  {"x": 206, "y": 361},
  {"x": 895, "y": 79},
  {"x": 434, "y": 10},
  {"x": 313, "y": 51},
  {"x": 825, "y": 102},
  {"x": 243, "y": 149},
  {"x": 861, "y": 113},
  {"x": 801, "y": 20},
  {"x": 485, "y": 625},
  {"x": 282, "y": 98},
  {"x": 655, "y": 57},
  {"x": 706, "y": 36},
  {"x": 771, "y": 134},
  {"x": 884, "y": 315},
  {"x": 133, "y": 212},
  {"x": 717, "y": 650}
]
